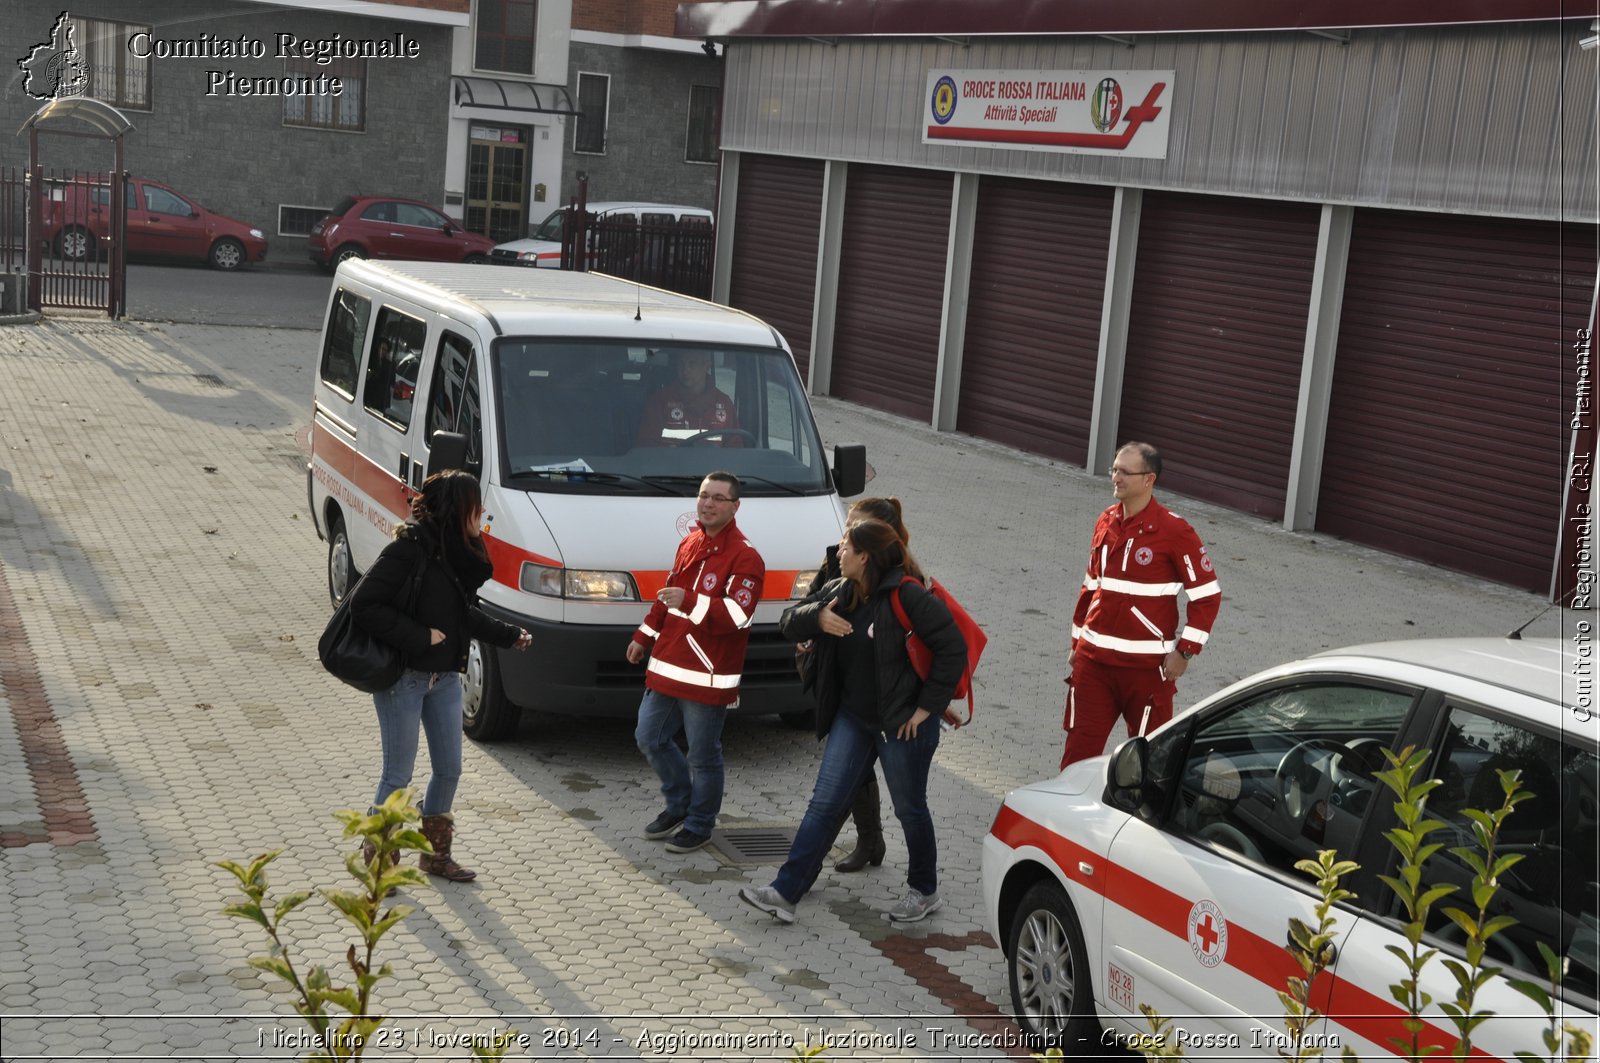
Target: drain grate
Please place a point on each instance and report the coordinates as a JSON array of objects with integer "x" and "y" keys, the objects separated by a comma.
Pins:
[
  {"x": 753, "y": 845},
  {"x": 210, "y": 378}
]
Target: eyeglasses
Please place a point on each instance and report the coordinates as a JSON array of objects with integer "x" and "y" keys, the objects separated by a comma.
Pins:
[
  {"x": 715, "y": 498},
  {"x": 1117, "y": 470}
]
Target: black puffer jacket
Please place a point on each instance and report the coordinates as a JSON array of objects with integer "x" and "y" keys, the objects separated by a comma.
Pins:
[
  {"x": 447, "y": 601},
  {"x": 900, "y": 692}
]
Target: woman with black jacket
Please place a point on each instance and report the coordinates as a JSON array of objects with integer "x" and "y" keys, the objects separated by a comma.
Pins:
[
  {"x": 871, "y": 702},
  {"x": 444, "y": 538}
]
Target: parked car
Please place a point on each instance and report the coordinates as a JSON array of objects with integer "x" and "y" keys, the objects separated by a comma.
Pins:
[
  {"x": 542, "y": 248},
  {"x": 162, "y": 223},
  {"x": 1165, "y": 875},
  {"x": 391, "y": 227}
]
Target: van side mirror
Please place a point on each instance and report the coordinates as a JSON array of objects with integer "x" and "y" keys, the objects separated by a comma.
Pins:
[
  {"x": 1125, "y": 778},
  {"x": 447, "y": 450},
  {"x": 850, "y": 468}
]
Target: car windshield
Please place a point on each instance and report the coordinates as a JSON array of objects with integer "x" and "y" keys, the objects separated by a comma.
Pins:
[
  {"x": 550, "y": 228},
  {"x": 601, "y": 416}
]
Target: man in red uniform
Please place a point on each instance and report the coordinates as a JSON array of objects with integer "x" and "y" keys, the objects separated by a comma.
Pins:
[
  {"x": 1127, "y": 649},
  {"x": 688, "y": 405},
  {"x": 695, "y": 637}
]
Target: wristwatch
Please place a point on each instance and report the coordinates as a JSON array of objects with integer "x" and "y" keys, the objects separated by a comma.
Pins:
[{"x": 1186, "y": 655}]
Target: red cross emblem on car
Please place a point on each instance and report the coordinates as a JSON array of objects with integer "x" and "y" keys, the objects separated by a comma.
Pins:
[{"x": 1208, "y": 933}]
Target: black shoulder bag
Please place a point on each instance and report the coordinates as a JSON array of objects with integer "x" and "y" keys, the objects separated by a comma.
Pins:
[{"x": 353, "y": 655}]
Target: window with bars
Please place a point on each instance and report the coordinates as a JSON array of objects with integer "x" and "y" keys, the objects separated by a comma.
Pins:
[
  {"x": 506, "y": 35},
  {"x": 346, "y": 112},
  {"x": 701, "y": 145},
  {"x": 589, "y": 126},
  {"x": 298, "y": 221},
  {"x": 116, "y": 75}
]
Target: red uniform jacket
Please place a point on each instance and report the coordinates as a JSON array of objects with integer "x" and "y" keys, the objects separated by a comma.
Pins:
[
  {"x": 698, "y": 651},
  {"x": 1127, "y": 613}
]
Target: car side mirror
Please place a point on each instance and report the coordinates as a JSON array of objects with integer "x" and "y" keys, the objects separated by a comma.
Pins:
[
  {"x": 850, "y": 468},
  {"x": 1125, "y": 778},
  {"x": 447, "y": 229},
  {"x": 447, "y": 450}
]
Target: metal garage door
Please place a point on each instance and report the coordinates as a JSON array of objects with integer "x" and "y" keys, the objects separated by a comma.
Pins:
[
  {"x": 891, "y": 288},
  {"x": 775, "y": 246},
  {"x": 1033, "y": 315},
  {"x": 1448, "y": 421},
  {"x": 1216, "y": 337}
]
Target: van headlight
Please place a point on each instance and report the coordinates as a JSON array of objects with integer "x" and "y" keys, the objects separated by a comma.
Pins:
[
  {"x": 585, "y": 584},
  {"x": 802, "y": 582}
]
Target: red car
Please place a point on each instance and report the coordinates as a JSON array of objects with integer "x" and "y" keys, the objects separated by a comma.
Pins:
[
  {"x": 162, "y": 223},
  {"x": 390, "y": 227}
]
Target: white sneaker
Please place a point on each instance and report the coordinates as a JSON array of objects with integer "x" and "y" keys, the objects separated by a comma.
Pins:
[
  {"x": 914, "y": 907},
  {"x": 768, "y": 900}
]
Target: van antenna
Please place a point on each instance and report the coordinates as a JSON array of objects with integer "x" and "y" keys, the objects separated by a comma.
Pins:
[
  {"x": 1517, "y": 634},
  {"x": 638, "y": 299}
]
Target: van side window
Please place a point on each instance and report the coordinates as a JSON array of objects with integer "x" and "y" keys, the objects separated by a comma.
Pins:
[
  {"x": 393, "y": 365},
  {"x": 453, "y": 403},
  {"x": 346, "y": 337},
  {"x": 1550, "y": 892}
]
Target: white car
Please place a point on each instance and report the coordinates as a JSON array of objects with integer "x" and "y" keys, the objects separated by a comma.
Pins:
[
  {"x": 542, "y": 248},
  {"x": 1164, "y": 875}
]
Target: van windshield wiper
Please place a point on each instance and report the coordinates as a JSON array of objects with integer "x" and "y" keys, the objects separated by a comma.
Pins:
[
  {"x": 694, "y": 481},
  {"x": 588, "y": 476},
  {"x": 793, "y": 490}
]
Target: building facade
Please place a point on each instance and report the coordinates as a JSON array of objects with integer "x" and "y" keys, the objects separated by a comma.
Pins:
[{"x": 1342, "y": 272}]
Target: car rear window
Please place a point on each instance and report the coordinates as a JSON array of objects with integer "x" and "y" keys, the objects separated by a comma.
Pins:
[{"x": 344, "y": 206}]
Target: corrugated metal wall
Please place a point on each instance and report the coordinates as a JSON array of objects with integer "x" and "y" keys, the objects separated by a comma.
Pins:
[{"x": 1476, "y": 119}]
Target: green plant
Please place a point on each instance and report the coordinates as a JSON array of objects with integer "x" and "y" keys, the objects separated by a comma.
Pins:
[
  {"x": 1479, "y": 926},
  {"x": 1579, "y": 1044},
  {"x": 1410, "y": 840},
  {"x": 387, "y": 832},
  {"x": 1312, "y": 949}
]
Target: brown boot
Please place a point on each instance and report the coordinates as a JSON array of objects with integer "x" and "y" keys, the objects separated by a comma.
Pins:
[
  {"x": 870, "y": 847},
  {"x": 440, "y": 831},
  {"x": 369, "y": 849}
]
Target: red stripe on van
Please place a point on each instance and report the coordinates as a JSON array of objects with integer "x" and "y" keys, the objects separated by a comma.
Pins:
[
  {"x": 364, "y": 474},
  {"x": 508, "y": 559},
  {"x": 1349, "y": 1005}
]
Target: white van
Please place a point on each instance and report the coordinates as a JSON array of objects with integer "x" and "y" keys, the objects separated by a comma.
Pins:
[
  {"x": 537, "y": 383},
  {"x": 542, "y": 248}
]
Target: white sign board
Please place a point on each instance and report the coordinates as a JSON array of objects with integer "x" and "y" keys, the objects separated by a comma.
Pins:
[{"x": 1089, "y": 112}]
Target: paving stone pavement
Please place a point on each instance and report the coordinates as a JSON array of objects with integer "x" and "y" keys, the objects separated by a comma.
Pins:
[{"x": 161, "y": 591}]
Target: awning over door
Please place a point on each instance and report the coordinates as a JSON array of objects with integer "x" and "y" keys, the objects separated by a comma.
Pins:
[{"x": 497, "y": 95}]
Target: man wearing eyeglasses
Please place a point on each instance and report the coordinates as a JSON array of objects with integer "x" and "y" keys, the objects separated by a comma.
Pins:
[
  {"x": 1127, "y": 648},
  {"x": 694, "y": 637}
]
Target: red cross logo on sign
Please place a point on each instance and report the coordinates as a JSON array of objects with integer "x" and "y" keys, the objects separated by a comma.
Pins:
[{"x": 1208, "y": 933}]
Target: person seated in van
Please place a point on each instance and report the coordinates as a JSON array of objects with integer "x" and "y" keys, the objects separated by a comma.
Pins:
[{"x": 688, "y": 405}]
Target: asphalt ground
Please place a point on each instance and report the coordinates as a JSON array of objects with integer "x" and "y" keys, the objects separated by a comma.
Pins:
[{"x": 161, "y": 591}]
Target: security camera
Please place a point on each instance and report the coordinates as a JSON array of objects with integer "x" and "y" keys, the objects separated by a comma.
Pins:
[{"x": 710, "y": 48}]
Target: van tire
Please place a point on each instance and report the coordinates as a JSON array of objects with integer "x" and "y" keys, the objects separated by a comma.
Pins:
[
  {"x": 341, "y": 566},
  {"x": 487, "y": 715}
]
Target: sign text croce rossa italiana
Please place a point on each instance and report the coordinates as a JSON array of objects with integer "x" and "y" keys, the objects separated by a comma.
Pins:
[{"x": 1092, "y": 112}]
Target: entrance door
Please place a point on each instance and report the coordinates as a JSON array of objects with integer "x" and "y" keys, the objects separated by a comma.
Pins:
[{"x": 497, "y": 182}]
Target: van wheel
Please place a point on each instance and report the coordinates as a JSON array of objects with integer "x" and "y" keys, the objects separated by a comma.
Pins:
[
  {"x": 486, "y": 713},
  {"x": 1051, "y": 990},
  {"x": 341, "y": 566},
  {"x": 227, "y": 254},
  {"x": 75, "y": 243}
]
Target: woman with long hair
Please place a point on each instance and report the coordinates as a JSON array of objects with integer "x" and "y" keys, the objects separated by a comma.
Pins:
[
  {"x": 871, "y": 702},
  {"x": 443, "y": 538},
  {"x": 866, "y": 807}
]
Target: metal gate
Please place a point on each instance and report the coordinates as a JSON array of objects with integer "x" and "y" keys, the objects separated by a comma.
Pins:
[{"x": 75, "y": 237}]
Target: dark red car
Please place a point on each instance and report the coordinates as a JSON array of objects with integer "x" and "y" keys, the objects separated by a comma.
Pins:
[
  {"x": 390, "y": 227},
  {"x": 162, "y": 223}
]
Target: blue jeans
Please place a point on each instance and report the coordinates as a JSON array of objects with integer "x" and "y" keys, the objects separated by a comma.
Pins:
[
  {"x": 692, "y": 785},
  {"x": 846, "y": 761},
  {"x": 401, "y": 709}
]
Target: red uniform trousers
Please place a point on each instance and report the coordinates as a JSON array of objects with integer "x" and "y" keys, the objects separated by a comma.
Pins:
[{"x": 1099, "y": 693}]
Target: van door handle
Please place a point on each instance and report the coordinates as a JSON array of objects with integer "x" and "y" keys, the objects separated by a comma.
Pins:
[{"x": 404, "y": 472}]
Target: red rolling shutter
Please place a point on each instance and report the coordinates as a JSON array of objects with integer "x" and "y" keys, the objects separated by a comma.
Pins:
[{"x": 775, "y": 246}]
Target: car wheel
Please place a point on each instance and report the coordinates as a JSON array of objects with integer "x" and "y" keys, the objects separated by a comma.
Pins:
[
  {"x": 346, "y": 252},
  {"x": 341, "y": 566},
  {"x": 227, "y": 254},
  {"x": 75, "y": 243},
  {"x": 486, "y": 713},
  {"x": 477, "y": 260},
  {"x": 1051, "y": 988}
]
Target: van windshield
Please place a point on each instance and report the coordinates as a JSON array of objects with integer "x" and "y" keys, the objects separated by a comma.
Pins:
[
  {"x": 601, "y": 416},
  {"x": 550, "y": 228}
]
